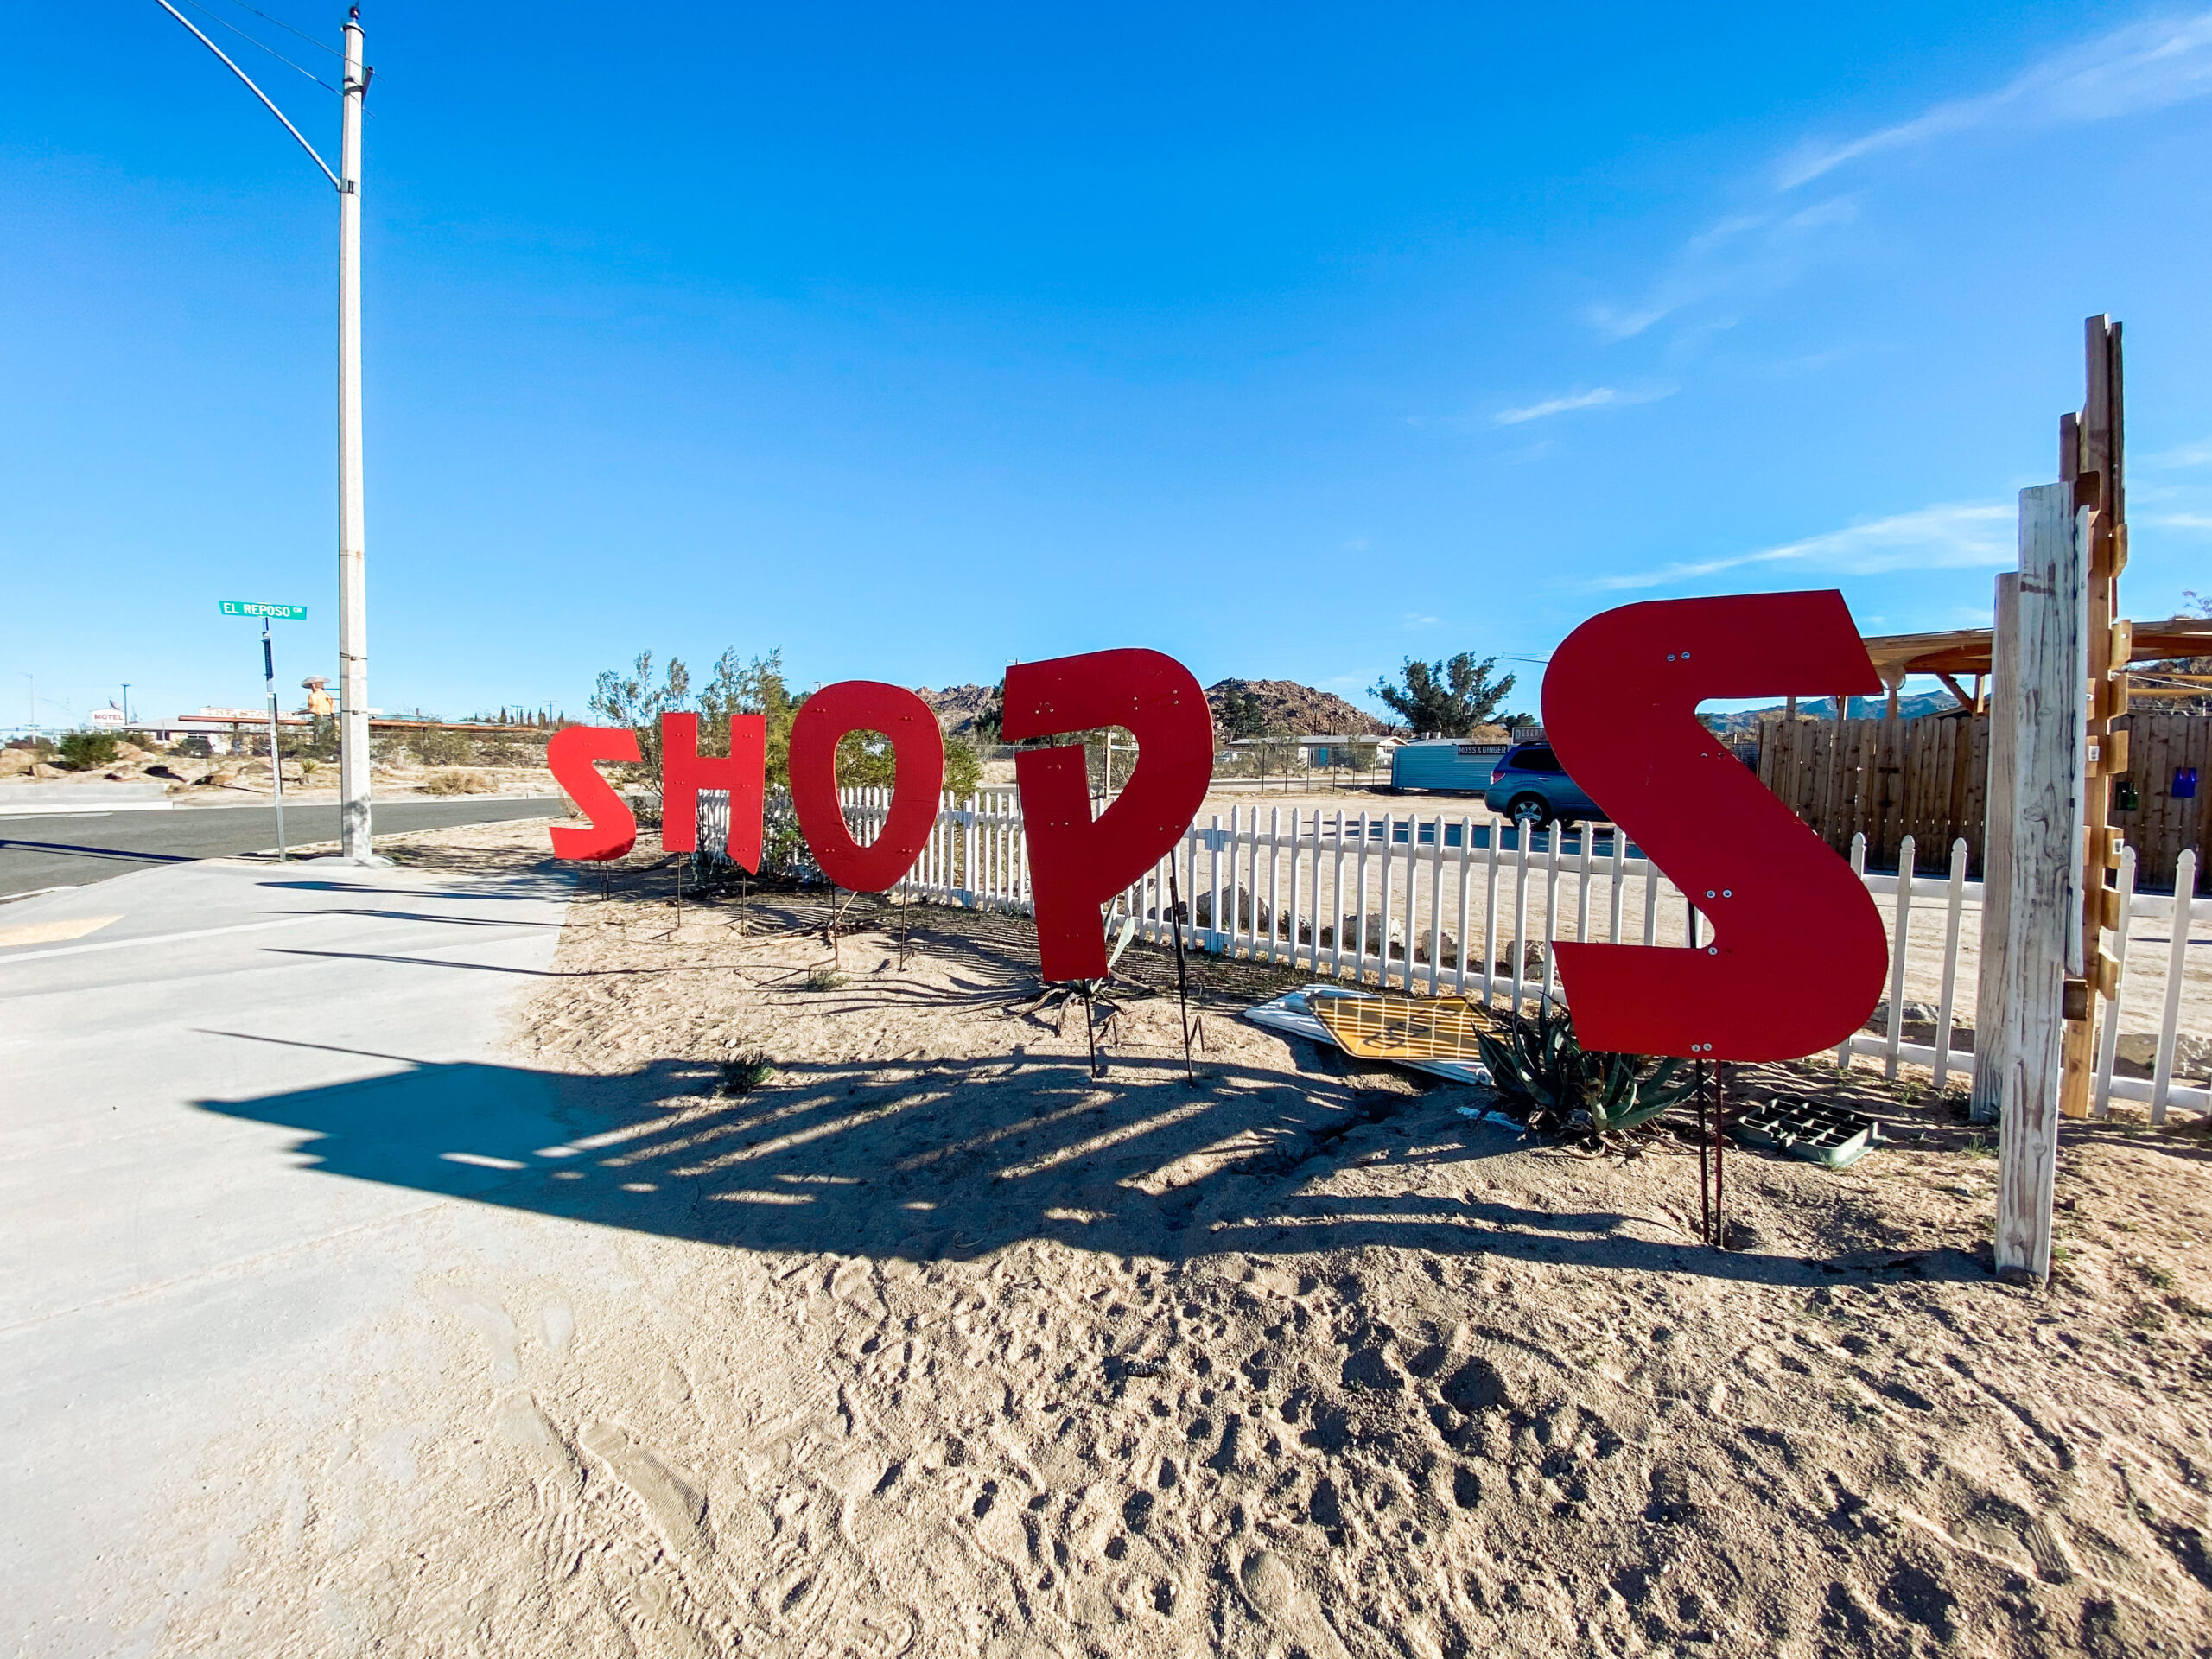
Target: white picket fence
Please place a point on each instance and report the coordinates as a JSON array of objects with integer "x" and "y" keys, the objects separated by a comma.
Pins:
[{"x": 1439, "y": 904}]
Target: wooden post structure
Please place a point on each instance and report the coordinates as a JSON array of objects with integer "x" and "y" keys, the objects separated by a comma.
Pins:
[
  {"x": 1991, "y": 982},
  {"x": 2050, "y": 712},
  {"x": 2091, "y": 458}
]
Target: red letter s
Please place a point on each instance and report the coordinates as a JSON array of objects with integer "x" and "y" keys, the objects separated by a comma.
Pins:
[
  {"x": 1076, "y": 865},
  {"x": 1798, "y": 952},
  {"x": 612, "y": 828}
]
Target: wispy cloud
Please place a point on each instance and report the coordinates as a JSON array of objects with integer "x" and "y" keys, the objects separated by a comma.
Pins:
[
  {"x": 2181, "y": 455},
  {"x": 1744, "y": 249},
  {"x": 1598, "y": 397},
  {"x": 2147, "y": 66},
  {"x": 2144, "y": 66},
  {"x": 2178, "y": 520},
  {"x": 1555, "y": 406},
  {"x": 1943, "y": 537}
]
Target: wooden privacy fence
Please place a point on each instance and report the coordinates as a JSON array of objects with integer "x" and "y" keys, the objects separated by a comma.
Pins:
[
  {"x": 1888, "y": 779},
  {"x": 1470, "y": 905}
]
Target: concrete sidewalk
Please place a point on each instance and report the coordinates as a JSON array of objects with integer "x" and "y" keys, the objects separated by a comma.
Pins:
[{"x": 176, "y": 1276}]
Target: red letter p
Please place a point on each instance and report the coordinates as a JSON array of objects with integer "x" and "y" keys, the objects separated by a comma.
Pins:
[{"x": 1076, "y": 865}]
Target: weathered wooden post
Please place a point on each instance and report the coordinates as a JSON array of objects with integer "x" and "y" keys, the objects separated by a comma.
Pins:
[
  {"x": 2048, "y": 714},
  {"x": 2091, "y": 458},
  {"x": 1990, "y": 980}
]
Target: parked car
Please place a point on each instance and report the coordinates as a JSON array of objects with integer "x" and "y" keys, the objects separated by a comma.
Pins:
[
  {"x": 1528, "y": 786},
  {"x": 1444, "y": 764}
]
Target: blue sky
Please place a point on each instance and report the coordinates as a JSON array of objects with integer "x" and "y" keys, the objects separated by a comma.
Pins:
[{"x": 1288, "y": 339}]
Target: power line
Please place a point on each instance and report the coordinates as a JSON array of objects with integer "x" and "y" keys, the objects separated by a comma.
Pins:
[
  {"x": 287, "y": 27},
  {"x": 263, "y": 44},
  {"x": 267, "y": 103},
  {"x": 321, "y": 46}
]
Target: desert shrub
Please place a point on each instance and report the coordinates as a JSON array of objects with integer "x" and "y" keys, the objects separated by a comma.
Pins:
[
  {"x": 866, "y": 760},
  {"x": 1553, "y": 1086},
  {"x": 735, "y": 687},
  {"x": 744, "y": 1071},
  {"x": 964, "y": 766},
  {"x": 457, "y": 780},
  {"x": 822, "y": 979},
  {"x": 86, "y": 751},
  {"x": 504, "y": 750},
  {"x": 436, "y": 748},
  {"x": 319, "y": 740}
]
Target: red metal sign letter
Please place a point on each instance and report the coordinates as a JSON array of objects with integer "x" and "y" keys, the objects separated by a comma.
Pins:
[
  {"x": 1795, "y": 958},
  {"x": 1076, "y": 865},
  {"x": 612, "y": 828},
  {"x": 684, "y": 771},
  {"x": 918, "y": 748}
]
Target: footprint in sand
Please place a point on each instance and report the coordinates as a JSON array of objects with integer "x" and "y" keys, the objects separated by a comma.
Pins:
[
  {"x": 490, "y": 1321},
  {"x": 674, "y": 1506},
  {"x": 522, "y": 1424},
  {"x": 1276, "y": 1594}
]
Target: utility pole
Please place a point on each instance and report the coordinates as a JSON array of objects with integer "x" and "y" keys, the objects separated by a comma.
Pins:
[
  {"x": 354, "y": 843},
  {"x": 353, "y": 536}
]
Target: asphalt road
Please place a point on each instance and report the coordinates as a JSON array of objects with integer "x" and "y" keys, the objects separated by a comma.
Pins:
[{"x": 70, "y": 851}]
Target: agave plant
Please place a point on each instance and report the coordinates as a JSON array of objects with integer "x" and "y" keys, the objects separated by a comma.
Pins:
[{"x": 1549, "y": 1079}]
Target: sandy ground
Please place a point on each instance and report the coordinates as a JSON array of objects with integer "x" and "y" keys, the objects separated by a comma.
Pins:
[{"x": 914, "y": 1337}]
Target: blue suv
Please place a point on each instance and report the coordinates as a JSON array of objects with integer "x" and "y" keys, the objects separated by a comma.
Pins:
[{"x": 1528, "y": 787}]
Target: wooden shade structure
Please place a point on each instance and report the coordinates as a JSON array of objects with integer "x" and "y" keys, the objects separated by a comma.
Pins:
[{"x": 1961, "y": 652}]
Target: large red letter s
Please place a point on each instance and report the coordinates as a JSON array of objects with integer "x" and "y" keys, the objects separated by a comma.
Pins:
[
  {"x": 1796, "y": 959},
  {"x": 611, "y": 829},
  {"x": 1076, "y": 865}
]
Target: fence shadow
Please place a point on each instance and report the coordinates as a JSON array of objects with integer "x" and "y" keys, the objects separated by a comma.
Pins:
[{"x": 951, "y": 1159}]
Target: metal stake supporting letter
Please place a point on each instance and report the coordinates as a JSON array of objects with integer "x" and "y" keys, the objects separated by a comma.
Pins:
[
  {"x": 1182, "y": 980},
  {"x": 1704, "y": 1172}
]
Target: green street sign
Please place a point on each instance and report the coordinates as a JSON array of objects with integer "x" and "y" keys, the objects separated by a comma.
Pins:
[{"x": 281, "y": 612}]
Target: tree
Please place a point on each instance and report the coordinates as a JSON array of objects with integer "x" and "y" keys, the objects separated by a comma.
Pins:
[
  {"x": 1243, "y": 714},
  {"x": 1446, "y": 699},
  {"x": 636, "y": 702},
  {"x": 990, "y": 719},
  {"x": 735, "y": 687},
  {"x": 866, "y": 760},
  {"x": 753, "y": 688},
  {"x": 87, "y": 751}
]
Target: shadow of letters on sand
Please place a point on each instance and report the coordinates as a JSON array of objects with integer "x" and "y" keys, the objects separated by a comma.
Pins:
[{"x": 957, "y": 1158}]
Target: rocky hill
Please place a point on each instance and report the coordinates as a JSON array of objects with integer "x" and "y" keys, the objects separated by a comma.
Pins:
[
  {"x": 956, "y": 706},
  {"x": 1744, "y": 722},
  {"x": 1287, "y": 706},
  {"x": 1292, "y": 707}
]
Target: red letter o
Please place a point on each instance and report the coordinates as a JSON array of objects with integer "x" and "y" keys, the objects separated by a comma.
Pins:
[{"x": 919, "y": 746}]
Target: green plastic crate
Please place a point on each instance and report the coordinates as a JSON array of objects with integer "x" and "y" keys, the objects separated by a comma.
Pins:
[{"x": 1823, "y": 1134}]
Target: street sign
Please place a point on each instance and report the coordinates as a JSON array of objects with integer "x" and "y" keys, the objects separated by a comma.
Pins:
[{"x": 280, "y": 613}]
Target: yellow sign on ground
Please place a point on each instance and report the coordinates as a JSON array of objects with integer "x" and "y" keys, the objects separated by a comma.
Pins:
[{"x": 1389, "y": 1027}]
